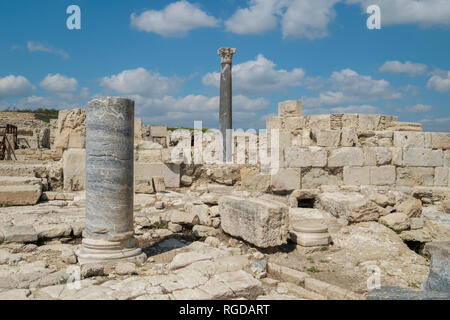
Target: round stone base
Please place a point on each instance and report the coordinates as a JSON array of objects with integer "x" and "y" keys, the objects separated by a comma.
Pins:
[
  {"x": 98, "y": 251},
  {"x": 310, "y": 234}
]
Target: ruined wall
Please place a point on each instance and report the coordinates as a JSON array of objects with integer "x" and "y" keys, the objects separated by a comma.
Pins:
[{"x": 358, "y": 149}]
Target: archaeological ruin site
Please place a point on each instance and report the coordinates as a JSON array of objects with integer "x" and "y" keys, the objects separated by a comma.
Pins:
[{"x": 98, "y": 205}]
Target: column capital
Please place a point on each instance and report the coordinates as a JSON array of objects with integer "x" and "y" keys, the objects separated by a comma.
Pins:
[{"x": 226, "y": 54}]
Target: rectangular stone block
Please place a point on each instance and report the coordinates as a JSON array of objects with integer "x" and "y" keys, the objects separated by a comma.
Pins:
[
  {"x": 415, "y": 176},
  {"x": 319, "y": 121},
  {"x": 397, "y": 156},
  {"x": 346, "y": 156},
  {"x": 74, "y": 168},
  {"x": 382, "y": 176},
  {"x": 20, "y": 195},
  {"x": 349, "y": 138},
  {"x": 409, "y": 139},
  {"x": 299, "y": 157},
  {"x": 263, "y": 223},
  {"x": 447, "y": 158},
  {"x": 440, "y": 140},
  {"x": 422, "y": 157},
  {"x": 374, "y": 156},
  {"x": 158, "y": 131},
  {"x": 170, "y": 172},
  {"x": 286, "y": 179},
  {"x": 327, "y": 138},
  {"x": 316, "y": 177},
  {"x": 148, "y": 155},
  {"x": 441, "y": 177},
  {"x": 290, "y": 108},
  {"x": 357, "y": 176},
  {"x": 350, "y": 121},
  {"x": 368, "y": 121},
  {"x": 294, "y": 123}
]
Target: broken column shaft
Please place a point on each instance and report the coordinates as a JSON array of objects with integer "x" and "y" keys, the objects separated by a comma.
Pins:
[
  {"x": 109, "y": 230},
  {"x": 226, "y": 97}
]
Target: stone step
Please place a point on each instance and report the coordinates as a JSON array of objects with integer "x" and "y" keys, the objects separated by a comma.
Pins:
[
  {"x": 20, "y": 195},
  {"x": 298, "y": 291},
  {"x": 330, "y": 291},
  {"x": 17, "y": 181}
]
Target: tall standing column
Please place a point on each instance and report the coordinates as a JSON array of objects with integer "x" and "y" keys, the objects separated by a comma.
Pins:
[
  {"x": 226, "y": 97},
  {"x": 109, "y": 231}
]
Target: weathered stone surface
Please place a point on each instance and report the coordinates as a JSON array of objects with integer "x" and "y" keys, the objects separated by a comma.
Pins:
[
  {"x": 126, "y": 268},
  {"x": 415, "y": 176},
  {"x": 204, "y": 231},
  {"x": 185, "y": 218},
  {"x": 397, "y": 221},
  {"x": 316, "y": 177},
  {"x": 74, "y": 166},
  {"x": 19, "y": 234},
  {"x": 241, "y": 283},
  {"x": 50, "y": 231},
  {"x": 309, "y": 233},
  {"x": 273, "y": 123},
  {"x": 260, "y": 222},
  {"x": 290, "y": 108},
  {"x": 422, "y": 157},
  {"x": 158, "y": 184},
  {"x": 412, "y": 208},
  {"x": 356, "y": 175},
  {"x": 346, "y": 156},
  {"x": 286, "y": 179},
  {"x": 327, "y": 138},
  {"x": 186, "y": 181},
  {"x": 298, "y": 157},
  {"x": 158, "y": 131},
  {"x": 417, "y": 223},
  {"x": 381, "y": 176},
  {"x": 144, "y": 186},
  {"x": 170, "y": 172},
  {"x": 254, "y": 180},
  {"x": 352, "y": 206},
  {"x": 440, "y": 140},
  {"x": 441, "y": 176},
  {"x": 92, "y": 270},
  {"x": 71, "y": 131},
  {"x": 20, "y": 195},
  {"x": 405, "y": 139}
]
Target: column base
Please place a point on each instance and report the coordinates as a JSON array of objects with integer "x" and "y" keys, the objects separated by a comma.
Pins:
[{"x": 99, "y": 251}]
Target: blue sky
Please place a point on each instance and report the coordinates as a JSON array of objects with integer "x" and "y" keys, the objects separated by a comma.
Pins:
[{"x": 163, "y": 54}]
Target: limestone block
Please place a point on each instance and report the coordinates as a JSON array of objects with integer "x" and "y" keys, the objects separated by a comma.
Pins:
[
  {"x": 377, "y": 156},
  {"x": 137, "y": 130},
  {"x": 357, "y": 176},
  {"x": 440, "y": 140},
  {"x": 350, "y": 121},
  {"x": 415, "y": 176},
  {"x": 170, "y": 172},
  {"x": 310, "y": 234},
  {"x": 74, "y": 168},
  {"x": 286, "y": 179},
  {"x": 290, "y": 108},
  {"x": 294, "y": 123},
  {"x": 397, "y": 156},
  {"x": 71, "y": 129},
  {"x": 447, "y": 158},
  {"x": 147, "y": 145},
  {"x": 427, "y": 138},
  {"x": 158, "y": 184},
  {"x": 354, "y": 207},
  {"x": 349, "y": 138},
  {"x": 368, "y": 121},
  {"x": 327, "y": 138},
  {"x": 382, "y": 176},
  {"x": 441, "y": 176},
  {"x": 274, "y": 123},
  {"x": 409, "y": 139},
  {"x": 158, "y": 131},
  {"x": 19, "y": 234},
  {"x": 149, "y": 155},
  {"x": 20, "y": 195},
  {"x": 412, "y": 208},
  {"x": 397, "y": 221},
  {"x": 254, "y": 180},
  {"x": 346, "y": 156},
  {"x": 261, "y": 222},
  {"x": 143, "y": 186},
  {"x": 370, "y": 156},
  {"x": 306, "y": 138},
  {"x": 316, "y": 177},
  {"x": 319, "y": 121},
  {"x": 422, "y": 157},
  {"x": 298, "y": 157}
]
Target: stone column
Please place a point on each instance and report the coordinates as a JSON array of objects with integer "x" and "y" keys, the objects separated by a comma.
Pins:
[
  {"x": 226, "y": 97},
  {"x": 109, "y": 230}
]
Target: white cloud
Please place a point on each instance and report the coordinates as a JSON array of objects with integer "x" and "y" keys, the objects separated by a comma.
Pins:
[
  {"x": 176, "y": 19},
  {"x": 350, "y": 87},
  {"x": 184, "y": 110},
  {"x": 308, "y": 19},
  {"x": 440, "y": 82},
  {"x": 141, "y": 82},
  {"x": 57, "y": 83},
  {"x": 39, "y": 47},
  {"x": 408, "y": 67},
  {"x": 258, "y": 18},
  {"x": 425, "y": 12},
  {"x": 258, "y": 76},
  {"x": 15, "y": 86},
  {"x": 418, "y": 108}
]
